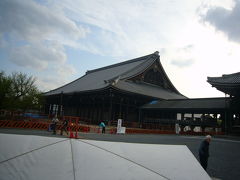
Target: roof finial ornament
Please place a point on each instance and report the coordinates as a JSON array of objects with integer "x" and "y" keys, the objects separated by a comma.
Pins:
[{"x": 157, "y": 53}]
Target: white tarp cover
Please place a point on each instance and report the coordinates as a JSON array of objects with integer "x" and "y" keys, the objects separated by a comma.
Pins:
[{"x": 41, "y": 158}]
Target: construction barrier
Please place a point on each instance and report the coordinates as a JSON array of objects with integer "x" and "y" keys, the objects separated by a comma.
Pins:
[
  {"x": 24, "y": 124},
  {"x": 96, "y": 130},
  {"x": 75, "y": 127},
  {"x": 40, "y": 125}
]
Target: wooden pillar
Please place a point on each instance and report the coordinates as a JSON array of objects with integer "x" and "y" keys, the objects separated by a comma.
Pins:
[
  {"x": 80, "y": 107},
  {"x": 182, "y": 116},
  {"x": 102, "y": 109},
  {"x": 111, "y": 105},
  {"x": 98, "y": 115},
  {"x": 97, "y": 119},
  {"x": 85, "y": 113},
  {"x": 127, "y": 110},
  {"x": 120, "y": 109},
  {"x": 92, "y": 110},
  {"x": 61, "y": 105},
  {"x": 113, "y": 111},
  {"x": 88, "y": 112},
  {"x": 139, "y": 117}
]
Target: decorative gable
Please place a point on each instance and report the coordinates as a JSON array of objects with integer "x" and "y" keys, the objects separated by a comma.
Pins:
[{"x": 156, "y": 76}]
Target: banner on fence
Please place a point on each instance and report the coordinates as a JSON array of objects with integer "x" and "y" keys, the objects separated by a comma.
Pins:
[{"x": 120, "y": 129}]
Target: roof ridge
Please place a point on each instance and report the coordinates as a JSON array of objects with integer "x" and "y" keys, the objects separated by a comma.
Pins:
[
  {"x": 121, "y": 63},
  {"x": 202, "y": 98},
  {"x": 197, "y": 99},
  {"x": 224, "y": 76},
  {"x": 229, "y": 75},
  {"x": 153, "y": 57}
]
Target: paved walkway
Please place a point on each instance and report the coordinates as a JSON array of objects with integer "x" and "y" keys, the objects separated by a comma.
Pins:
[{"x": 224, "y": 161}]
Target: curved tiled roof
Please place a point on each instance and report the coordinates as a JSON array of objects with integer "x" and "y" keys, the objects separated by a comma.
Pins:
[
  {"x": 227, "y": 83},
  {"x": 99, "y": 78},
  {"x": 225, "y": 79},
  {"x": 117, "y": 76},
  {"x": 148, "y": 90}
]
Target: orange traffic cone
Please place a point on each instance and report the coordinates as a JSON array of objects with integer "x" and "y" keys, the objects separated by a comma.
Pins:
[{"x": 71, "y": 135}]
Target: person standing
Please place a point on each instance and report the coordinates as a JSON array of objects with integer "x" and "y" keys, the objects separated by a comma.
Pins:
[
  {"x": 64, "y": 127},
  {"x": 204, "y": 151},
  {"x": 54, "y": 121},
  {"x": 103, "y": 126}
]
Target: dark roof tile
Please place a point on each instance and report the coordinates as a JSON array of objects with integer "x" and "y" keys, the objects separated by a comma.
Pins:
[
  {"x": 225, "y": 79},
  {"x": 117, "y": 75},
  {"x": 199, "y": 103}
]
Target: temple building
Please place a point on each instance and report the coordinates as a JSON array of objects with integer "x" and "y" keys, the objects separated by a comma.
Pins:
[
  {"x": 227, "y": 83},
  {"x": 113, "y": 92},
  {"x": 230, "y": 85},
  {"x": 139, "y": 92}
]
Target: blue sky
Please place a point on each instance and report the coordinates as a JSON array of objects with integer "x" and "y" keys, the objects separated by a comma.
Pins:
[{"x": 58, "y": 41}]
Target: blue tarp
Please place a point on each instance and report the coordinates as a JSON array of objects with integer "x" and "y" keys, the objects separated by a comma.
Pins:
[{"x": 32, "y": 115}]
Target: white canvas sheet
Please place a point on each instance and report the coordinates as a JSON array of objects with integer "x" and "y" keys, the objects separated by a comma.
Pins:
[
  {"x": 12, "y": 145},
  {"x": 35, "y": 157}
]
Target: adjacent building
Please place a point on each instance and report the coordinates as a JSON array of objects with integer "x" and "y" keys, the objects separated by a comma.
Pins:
[{"x": 230, "y": 85}]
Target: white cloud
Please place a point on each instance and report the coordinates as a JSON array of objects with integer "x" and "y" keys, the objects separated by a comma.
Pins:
[
  {"x": 33, "y": 22},
  {"x": 130, "y": 28},
  {"x": 181, "y": 57},
  {"x": 37, "y": 33},
  {"x": 34, "y": 36},
  {"x": 38, "y": 55},
  {"x": 64, "y": 70},
  {"x": 182, "y": 62},
  {"x": 49, "y": 82},
  {"x": 56, "y": 76}
]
